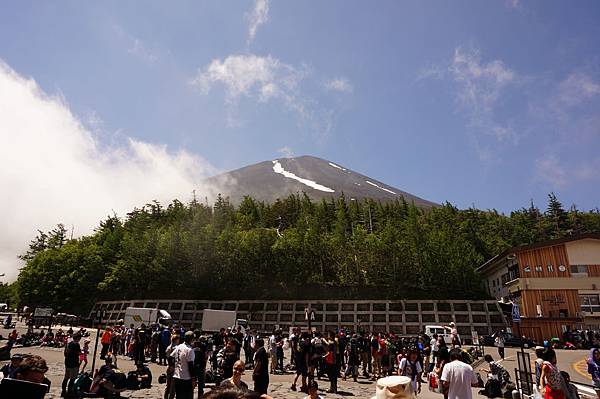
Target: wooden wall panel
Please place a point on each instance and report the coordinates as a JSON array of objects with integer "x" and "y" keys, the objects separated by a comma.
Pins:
[
  {"x": 551, "y": 301},
  {"x": 541, "y": 330},
  {"x": 554, "y": 255},
  {"x": 594, "y": 270}
]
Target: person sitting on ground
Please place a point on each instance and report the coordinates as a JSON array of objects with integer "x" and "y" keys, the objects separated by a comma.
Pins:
[
  {"x": 497, "y": 378},
  {"x": 108, "y": 381},
  {"x": 9, "y": 370},
  {"x": 143, "y": 377},
  {"x": 234, "y": 393},
  {"x": 572, "y": 391},
  {"x": 496, "y": 370},
  {"x": 313, "y": 390},
  {"x": 236, "y": 379}
]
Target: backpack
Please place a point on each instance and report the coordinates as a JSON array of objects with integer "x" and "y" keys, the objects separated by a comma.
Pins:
[
  {"x": 413, "y": 366},
  {"x": 82, "y": 383},
  {"x": 119, "y": 379}
]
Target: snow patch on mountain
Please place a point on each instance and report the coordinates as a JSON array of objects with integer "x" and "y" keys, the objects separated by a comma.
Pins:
[
  {"x": 277, "y": 168},
  {"x": 379, "y": 187},
  {"x": 337, "y": 166}
]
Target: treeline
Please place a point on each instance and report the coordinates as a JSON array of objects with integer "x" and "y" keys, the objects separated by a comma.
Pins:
[{"x": 292, "y": 248}]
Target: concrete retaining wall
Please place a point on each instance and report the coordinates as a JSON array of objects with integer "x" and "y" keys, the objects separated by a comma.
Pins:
[{"x": 400, "y": 317}]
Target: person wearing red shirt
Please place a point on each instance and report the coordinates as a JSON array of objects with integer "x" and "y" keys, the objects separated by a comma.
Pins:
[{"x": 105, "y": 341}]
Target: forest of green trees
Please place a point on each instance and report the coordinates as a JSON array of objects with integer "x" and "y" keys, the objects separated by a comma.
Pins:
[{"x": 292, "y": 248}]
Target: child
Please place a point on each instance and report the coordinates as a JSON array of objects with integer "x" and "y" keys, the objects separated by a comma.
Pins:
[
  {"x": 83, "y": 356},
  {"x": 573, "y": 392},
  {"x": 313, "y": 390},
  {"x": 594, "y": 368}
]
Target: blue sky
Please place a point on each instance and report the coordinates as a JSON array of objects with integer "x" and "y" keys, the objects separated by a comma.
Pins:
[{"x": 482, "y": 103}]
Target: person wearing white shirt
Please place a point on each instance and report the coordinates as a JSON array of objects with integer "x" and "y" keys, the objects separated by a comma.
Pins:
[
  {"x": 411, "y": 368},
  {"x": 184, "y": 380},
  {"x": 435, "y": 347},
  {"x": 458, "y": 377}
]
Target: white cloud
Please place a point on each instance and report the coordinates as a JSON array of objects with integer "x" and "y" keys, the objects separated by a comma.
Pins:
[
  {"x": 256, "y": 18},
  {"x": 261, "y": 78},
  {"x": 139, "y": 49},
  {"x": 513, "y": 3},
  {"x": 431, "y": 72},
  {"x": 549, "y": 170},
  {"x": 247, "y": 75},
  {"x": 339, "y": 84},
  {"x": 480, "y": 87},
  {"x": 577, "y": 88},
  {"x": 557, "y": 173},
  {"x": 53, "y": 169},
  {"x": 267, "y": 79},
  {"x": 135, "y": 46},
  {"x": 286, "y": 151}
]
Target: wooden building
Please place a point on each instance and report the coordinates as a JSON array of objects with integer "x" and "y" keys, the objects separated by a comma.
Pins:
[{"x": 556, "y": 283}]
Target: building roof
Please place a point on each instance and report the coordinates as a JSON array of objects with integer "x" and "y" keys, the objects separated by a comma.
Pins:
[{"x": 529, "y": 247}]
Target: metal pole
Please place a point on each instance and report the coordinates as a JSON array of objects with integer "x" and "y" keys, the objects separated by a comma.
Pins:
[
  {"x": 95, "y": 350},
  {"x": 520, "y": 338}
]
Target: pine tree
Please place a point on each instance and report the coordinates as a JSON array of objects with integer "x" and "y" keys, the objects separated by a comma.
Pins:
[{"x": 556, "y": 217}]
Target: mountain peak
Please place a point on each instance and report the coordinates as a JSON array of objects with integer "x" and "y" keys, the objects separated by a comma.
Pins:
[{"x": 317, "y": 177}]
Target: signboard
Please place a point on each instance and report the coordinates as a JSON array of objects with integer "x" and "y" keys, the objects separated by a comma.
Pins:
[
  {"x": 516, "y": 313},
  {"x": 101, "y": 314},
  {"x": 475, "y": 337},
  {"x": 309, "y": 314},
  {"x": 42, "y": 312}
]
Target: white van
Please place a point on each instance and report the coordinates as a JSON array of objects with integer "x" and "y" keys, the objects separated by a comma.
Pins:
[
  {"x": 3, "y": 306},
  {"x": 147, "y": 316},
  {"x": 441, "y": 331}
]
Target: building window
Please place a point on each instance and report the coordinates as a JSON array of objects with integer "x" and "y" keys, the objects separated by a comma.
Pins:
[
  {"x": 527, "y": 269},
  {"x": 579, "y": 269},
  {"x": 538, "y": 268},
  {"x": 550, "y": 268},
  {"x": 590, "y": 303}
]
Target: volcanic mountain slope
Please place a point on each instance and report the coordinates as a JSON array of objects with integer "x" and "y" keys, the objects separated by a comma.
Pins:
[{"x": 318, "y": 178}]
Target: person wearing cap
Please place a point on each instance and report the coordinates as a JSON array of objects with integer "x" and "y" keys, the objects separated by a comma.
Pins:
[
  {"x": 9, "y": 370},
  {"x": 499, "y": 342},
  {"x": 83, "y": 356},
  {"x": 184, "y": 378},
  {"x": 454, "y": 335}
]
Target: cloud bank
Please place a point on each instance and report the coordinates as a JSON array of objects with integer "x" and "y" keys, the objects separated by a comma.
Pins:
[{"x": 53, "y": 170}]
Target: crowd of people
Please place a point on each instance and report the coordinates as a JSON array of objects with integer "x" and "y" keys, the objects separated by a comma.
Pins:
[
  {"x": 196, "y": 358},
  {"x": 193, "y": 359}
]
